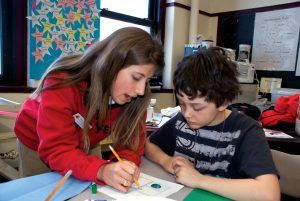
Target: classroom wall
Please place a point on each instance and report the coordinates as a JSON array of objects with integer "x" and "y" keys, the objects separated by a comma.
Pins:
[
  {"x": 217, "y": 6},
  {"x": 177, "y": 26}
]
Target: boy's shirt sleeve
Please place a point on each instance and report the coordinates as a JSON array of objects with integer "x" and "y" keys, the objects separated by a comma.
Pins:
[
  {"x": 254, "y": 156},
  {"x": 165, "y": 136}
]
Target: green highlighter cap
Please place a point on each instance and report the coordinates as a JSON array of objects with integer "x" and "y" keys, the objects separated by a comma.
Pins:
[{"x": 94, "y": 188}]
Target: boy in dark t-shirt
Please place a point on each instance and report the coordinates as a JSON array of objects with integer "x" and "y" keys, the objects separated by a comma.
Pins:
[{"x": 207, "y": 145}]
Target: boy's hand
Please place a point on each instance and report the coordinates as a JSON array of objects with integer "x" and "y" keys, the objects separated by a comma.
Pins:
[
  {"x": 169, "y": 162},
  {"x": 185, "y": 173}
]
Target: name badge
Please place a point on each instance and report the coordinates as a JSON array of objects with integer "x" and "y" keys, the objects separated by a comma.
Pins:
[{"x": 79, "y": 120}]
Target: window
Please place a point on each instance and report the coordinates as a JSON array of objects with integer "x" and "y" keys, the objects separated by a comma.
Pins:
[
  {"x": 1, "y": 38},
  {"x": 145, "y": 14},
  {"x": 116, "y": 14},
  {"x": 13, "y": 37}
]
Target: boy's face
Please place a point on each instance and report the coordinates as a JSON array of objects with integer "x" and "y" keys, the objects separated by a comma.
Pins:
[{"x": 198, "y": 112}]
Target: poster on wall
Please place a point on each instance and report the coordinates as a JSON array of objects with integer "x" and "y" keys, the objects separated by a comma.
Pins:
[
  {"x": 275, "y": 41},
  {"x": 57, "y": 28}
]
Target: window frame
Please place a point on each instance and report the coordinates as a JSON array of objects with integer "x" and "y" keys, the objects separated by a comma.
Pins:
[
  {"x": 14, "y": 46},
  {"x": 14, "y": 72},
  {"x": 153, "y": 20}
]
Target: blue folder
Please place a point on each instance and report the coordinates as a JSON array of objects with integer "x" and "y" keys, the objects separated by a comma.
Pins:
[{"x": 38, "y": 187}]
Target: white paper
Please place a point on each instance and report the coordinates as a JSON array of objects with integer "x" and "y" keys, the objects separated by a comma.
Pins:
[
  {"x": 163, "y": 121},
  {"x": 275, "y": 40},
  {"x": 166, "y": 188},
  {"x": 276, "y": 134}
]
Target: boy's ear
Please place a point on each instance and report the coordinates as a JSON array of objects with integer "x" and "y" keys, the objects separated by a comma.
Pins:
[{"x": 223, "y": 106}]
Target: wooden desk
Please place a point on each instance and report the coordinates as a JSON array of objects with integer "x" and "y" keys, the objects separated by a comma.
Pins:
[{"x": 147, "y": 167}]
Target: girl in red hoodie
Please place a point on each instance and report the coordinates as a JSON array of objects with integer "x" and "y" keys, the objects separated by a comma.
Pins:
[{"x": 84, "y": 98}]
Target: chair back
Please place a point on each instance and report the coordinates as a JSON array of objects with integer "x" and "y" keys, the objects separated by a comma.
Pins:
[{"x": 288, "y": 167}]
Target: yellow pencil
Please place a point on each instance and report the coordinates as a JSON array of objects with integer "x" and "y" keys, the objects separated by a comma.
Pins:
[
  {"x": 60, "y": 183},
  {"x": 119, "y": 159}
]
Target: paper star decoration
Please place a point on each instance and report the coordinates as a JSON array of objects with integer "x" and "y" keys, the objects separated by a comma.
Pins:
[
  {"x": 34, "y": 20},
  {"x": 38, "y": 36},
  {"x": 38, "y": 55}
]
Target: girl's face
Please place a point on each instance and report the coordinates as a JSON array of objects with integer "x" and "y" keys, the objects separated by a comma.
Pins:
[
  {"x": 198, "y": 112},
  {"x": 131, "y": 82}
]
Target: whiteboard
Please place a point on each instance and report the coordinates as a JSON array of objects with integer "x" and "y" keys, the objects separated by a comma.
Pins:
[{"x": 275, "y": 40}]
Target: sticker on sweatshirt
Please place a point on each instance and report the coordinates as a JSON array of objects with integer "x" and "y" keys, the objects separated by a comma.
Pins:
[{"x": 79, "y": 120}]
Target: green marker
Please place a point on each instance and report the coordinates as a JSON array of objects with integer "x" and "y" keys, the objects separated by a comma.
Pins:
[{"x": 94, "y": 188}]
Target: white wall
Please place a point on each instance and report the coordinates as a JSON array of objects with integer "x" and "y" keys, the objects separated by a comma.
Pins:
[
  {"x": 216, "y": 6},
  {"x": 176, "y": 35}
]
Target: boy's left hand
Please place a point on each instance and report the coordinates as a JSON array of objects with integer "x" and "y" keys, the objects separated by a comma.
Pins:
[{"x": 185, "y": 173}]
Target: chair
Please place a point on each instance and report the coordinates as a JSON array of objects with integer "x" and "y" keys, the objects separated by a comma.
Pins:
[
  {"x": 31, "y": 164},
  {"x": 288, "y": 167},
  {"x": 29, "y": 161}
]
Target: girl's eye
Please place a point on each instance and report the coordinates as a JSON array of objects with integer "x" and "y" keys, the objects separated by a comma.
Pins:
[{"x": 136, "y": 78}]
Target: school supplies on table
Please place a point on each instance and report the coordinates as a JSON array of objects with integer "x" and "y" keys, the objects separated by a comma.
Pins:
[
  {"x": 149, "y": 186},
  {"x": 199, "y": 194},
  {"x": 38, "y": 187},
  {"x": 119, "y": 159}
]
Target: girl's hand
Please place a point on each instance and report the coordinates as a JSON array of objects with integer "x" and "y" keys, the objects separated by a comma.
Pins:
[{"x": 119, "y": 175}]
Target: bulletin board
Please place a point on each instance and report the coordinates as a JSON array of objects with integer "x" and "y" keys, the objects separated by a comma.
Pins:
[
  {"x": 57, "y": 28},
  {"x": 239, "y": 27}
]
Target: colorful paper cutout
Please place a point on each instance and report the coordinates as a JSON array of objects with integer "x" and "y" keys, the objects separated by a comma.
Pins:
[{"x": 58, "y": 28}]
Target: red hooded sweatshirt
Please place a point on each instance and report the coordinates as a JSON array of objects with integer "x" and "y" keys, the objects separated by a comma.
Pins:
[{"x": 47, "y": 125}]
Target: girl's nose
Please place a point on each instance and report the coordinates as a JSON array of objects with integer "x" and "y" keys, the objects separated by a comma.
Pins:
[{"x": 140, "y": 89}]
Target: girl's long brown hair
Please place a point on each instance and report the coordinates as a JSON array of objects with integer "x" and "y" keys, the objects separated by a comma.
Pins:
[{"x": 99, "y": 66}]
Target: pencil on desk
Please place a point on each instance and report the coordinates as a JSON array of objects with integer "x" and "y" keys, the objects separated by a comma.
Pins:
[
  {"x": 119, "y": 159},
  {"x": 60, "y": 183}
]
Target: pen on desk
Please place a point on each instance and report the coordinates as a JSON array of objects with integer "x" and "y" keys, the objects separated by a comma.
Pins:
[
  {"x": 60, "y": 183},
  {"x": 119, "y": 159}
]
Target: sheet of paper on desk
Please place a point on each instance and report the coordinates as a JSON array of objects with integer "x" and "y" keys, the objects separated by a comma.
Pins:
[
  {"x": 149, "y": 186},
  {"x": 276, "y": 134},
  {"x": 38, "y": 187},
  {"x": 163, "y": 121}
]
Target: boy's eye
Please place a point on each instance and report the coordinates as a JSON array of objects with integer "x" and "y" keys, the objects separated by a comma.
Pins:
[{"x": 197, "y": 109}]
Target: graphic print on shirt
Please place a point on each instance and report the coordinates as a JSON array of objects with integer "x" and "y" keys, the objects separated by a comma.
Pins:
[{"x": 210, "y": 150}]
